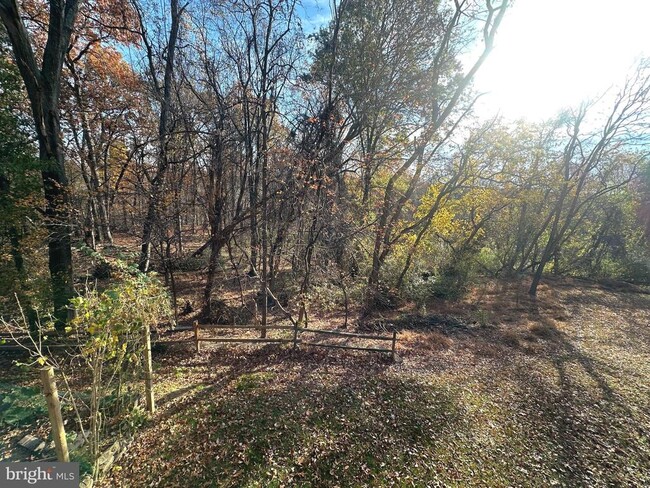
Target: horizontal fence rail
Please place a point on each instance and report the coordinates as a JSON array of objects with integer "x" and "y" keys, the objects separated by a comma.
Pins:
[
  {"x": 296, "y": 340},
  {"x": 345, "y": 334},
  {"x": 258, "y": 327}
]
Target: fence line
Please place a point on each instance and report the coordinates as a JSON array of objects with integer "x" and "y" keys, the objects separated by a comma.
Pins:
[
  {"x": 345, "y": 334},
  {"x": 295, "y": 340},
  {"x": 268, "y": 327}
]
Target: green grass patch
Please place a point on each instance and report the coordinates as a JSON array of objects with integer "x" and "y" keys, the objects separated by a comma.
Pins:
[
  {"x": 252, "y": 381},
  {"x": 21, "y": 406}
]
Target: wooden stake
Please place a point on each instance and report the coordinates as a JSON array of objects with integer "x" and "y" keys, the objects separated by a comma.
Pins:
[
  {"x": 54, "y": 409},
  {"x": 148, "y": 371},
  {"x": 195, "y": 325},
  {"x": 392, "y": 353}
]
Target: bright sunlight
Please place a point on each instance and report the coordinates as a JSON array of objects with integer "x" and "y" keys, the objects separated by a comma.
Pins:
[{"x": 555, "y": 53}]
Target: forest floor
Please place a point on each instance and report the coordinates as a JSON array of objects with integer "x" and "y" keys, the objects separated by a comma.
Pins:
[{"x": 493, "y": 390}]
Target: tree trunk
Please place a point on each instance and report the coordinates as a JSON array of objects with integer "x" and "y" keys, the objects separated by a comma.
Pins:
[
  {"x": 158, "y": 184},
  {"x": 43, "y": 89},
  {"x": 210, "y": 278},
  {"x": 55, "y": 183},
  {"x": 216, "y": 205},
  {"x": 543, "y": 261}
]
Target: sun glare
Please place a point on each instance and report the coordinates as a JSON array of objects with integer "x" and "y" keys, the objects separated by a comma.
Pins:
[{"x": 551, "y": 54}]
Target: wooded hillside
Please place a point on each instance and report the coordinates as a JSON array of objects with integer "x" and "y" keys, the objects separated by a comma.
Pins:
[
  {"x": 186, "y": 164},
  {"x": 348, "y": 157}
]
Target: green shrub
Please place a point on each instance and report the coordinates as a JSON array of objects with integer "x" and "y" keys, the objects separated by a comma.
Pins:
[
  {"x": 636, "y": 271},
  {"x": 489, "y": 259},
  {"x": 20, "y": 406},
  {"x": 137, "y": 301},
  {"x": 454, "y": 280},
  {"x": 112, "y": 324},
  {"x": 419, "y": 289}
]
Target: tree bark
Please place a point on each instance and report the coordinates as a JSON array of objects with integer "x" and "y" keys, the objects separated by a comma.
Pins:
[
  {"x": 165, "y": 94},
  {"x": 43, "y": 89}
]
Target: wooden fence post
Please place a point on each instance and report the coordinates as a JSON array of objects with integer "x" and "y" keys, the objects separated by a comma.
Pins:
[
  {"x": 195, "y": 325},
  {"x": 148, "y": 371},
  {"x": 54, "y": 409},
  {"x": 295, "y": 335},
  {"x": 392, "y": 349}
]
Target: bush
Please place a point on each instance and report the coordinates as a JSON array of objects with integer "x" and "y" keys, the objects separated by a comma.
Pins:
[
  {"x": 382, "y": 298},
  {"x": 454, "y": 280},
  {"x": 222, "y": 313},
  {"x": 110, "y": 326},
  {"x": 419, "y": 289},
  {"x": 636, "y": 272}
]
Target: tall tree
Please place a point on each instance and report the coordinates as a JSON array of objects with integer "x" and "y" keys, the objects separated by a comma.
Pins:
[
  {"x": 163, "y": 89},
  {"x": 592, "y": 162},
  {"x": 415, "y": 114},
  {"x": 42, "y": 77},
  {"x": 103, "y": 95}
]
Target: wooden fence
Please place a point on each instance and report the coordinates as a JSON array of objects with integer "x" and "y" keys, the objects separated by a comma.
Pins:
[
  {"x": 295, "y": 340},
  {"x": 20, "y": 342}
]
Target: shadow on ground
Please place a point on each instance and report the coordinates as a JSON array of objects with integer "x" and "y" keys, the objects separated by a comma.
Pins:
[{"x": 525, "y": 402}]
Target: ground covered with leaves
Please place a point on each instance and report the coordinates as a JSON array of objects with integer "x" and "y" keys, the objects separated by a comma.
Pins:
[{"x": 496, "y": 390}]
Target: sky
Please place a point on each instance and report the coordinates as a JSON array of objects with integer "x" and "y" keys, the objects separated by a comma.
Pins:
[
  {"x": 551, "y": 54},
  {"x": 314, "y": 13}
]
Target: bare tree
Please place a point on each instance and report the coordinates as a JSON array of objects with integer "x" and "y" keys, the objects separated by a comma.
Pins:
[
  {"x": 162, "y": 84},
  {"x": 592, "y": 162}
]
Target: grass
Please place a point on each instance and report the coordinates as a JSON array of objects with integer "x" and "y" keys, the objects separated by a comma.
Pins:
[
  {"x": 551, "y": 393},
  {"x": 20, "y": 406}
]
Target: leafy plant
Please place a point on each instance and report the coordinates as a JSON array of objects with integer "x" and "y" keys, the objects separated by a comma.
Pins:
[
  {"x": 114, "y": 322},
  {"x": 20, "y": 406},
  {"x": 110, "y": 327}
]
